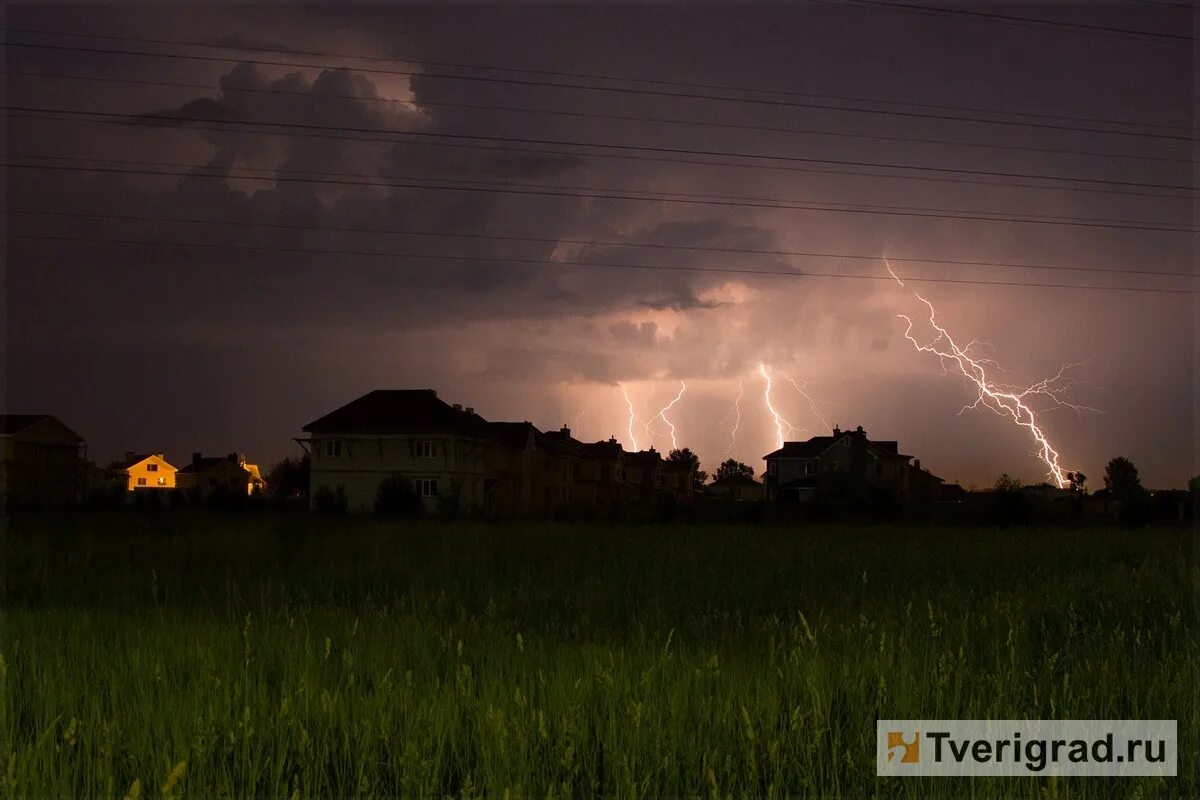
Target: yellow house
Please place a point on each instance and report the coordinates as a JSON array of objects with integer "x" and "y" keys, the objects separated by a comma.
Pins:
[
  {"x": 227, "y": 473},
  {"x": 146, "y": 471}
]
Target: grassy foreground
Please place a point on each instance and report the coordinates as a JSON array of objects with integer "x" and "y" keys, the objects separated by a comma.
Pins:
[{"x": 194, "y": 655}]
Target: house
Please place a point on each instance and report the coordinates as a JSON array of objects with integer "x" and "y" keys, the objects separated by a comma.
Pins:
[
  {"x": 800, "y": 471},
  {"x": 738, "y": 488},
  {"x": 440, "y": 449},
  {"x": 141, "y": 471},
  {"x": 642, "y": 473},
  {"x": 231, "y": 473},
  {"x": 41, "y": 461},
  {"x": 679, "y": 479},
  {"x": 600, "y": 481}
]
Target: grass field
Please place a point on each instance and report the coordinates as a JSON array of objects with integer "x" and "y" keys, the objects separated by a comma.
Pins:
[{"x": 287, "y": 656}]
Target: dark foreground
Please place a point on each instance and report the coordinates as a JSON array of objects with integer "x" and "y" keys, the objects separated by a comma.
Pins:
[{"x": 173, "y": 655}]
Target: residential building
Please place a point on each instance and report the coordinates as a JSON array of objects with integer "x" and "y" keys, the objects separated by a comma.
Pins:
[
  {"x": 642, "y": 472},
  {"x": 41, "y": 461},
  {"x": 440, "y": 449},
  {"x": 798, "y": 471},
  {"x": 144, "y": 471},
  {"x": 230, "y": 473}
]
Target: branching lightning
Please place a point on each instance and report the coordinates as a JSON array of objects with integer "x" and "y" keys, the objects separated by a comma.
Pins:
[
  {"x": 736, "y": 414},
  {"x": 812, "y": 404},
  {"x": 780, "y": 422},
  {"x": 632, "y": 419},
  {"x": 662, "y": 414},
  {"x": 1003, "y": 399}
]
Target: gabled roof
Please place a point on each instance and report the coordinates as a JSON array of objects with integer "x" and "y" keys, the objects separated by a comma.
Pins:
[
  {"x": 817, "y": 445},
  {"x": 385, "y": 411},
  {"x": 512, "y": 435},
  {"x": 11, "y": 424},
  {"x": 643, "y": 458},
  {"x": 137, "y": 458},
  {"x": 604, "y": 449}
]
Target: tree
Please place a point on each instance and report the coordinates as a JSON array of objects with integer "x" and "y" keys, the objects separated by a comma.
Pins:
[
  {"x": 1007, "y": 483},
  {"x": 1121, "y": 479},
  {"x": 1077, "y": 482},
  {"x": 289, "y": 477},
  {"x": 731, "y": 468},
  {"x": 686, "y": 456}
]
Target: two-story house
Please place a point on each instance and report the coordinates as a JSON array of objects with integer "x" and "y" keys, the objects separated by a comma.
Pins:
[
  {"x": 795, "y": 471},
  {"x": 440, "y": 449},
  {"x": 41, "y": 461},
  {"x": 144, "y": 471},
  {"x": 229, "y": 473}
]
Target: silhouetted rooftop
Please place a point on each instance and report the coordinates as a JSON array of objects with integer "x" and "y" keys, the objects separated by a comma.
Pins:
[{"x": 386, "y": 411}]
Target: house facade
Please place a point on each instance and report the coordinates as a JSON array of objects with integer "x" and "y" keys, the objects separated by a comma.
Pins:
[
  {"x": 204, "y": 476},
  {"x": 799, "y": 472},
  {"x": 41, "y": 461},
  {"x": 441, "y": 450},
  {"x": 738, "y": 488},
  {"x": 144, "y": 472}
]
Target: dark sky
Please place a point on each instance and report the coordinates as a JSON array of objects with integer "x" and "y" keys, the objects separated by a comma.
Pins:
[{"x": 156, "y": 334}]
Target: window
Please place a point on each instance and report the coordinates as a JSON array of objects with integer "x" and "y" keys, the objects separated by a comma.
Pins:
[
  {"x": 772, "y": 468},
  {"x": 810, "y": 467},
  {"x": 152, "y": 467},
  {"x": 141, "y": 482},
  {"x": 427, "y": 487},
  {"x": 162, "y": 481},
  {"x": 333, "y": 448},
  {"x": 427, "y": 449}
]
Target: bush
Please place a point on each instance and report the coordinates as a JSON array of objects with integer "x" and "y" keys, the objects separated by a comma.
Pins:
[{"x": 331, "y": 501}]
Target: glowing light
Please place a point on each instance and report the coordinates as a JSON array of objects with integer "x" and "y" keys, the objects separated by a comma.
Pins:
[
  {"x": 1003, "y": 399},
  {"x": 629, "y": 405},
  {"x": 780, "y": 422},
  {"x": 662, "y": 414},
  {"x": 736, "y": 414}
]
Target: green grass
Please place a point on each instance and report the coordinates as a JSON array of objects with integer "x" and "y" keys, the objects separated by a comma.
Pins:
[{"x": 287, "y": 656}]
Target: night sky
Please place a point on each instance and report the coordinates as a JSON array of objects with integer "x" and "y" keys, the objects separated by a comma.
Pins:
[{"x": 152, "y": 334}]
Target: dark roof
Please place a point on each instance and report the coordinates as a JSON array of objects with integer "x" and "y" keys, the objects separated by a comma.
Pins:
[
  {"x": 817, "y": 445},
  {"x": 512, "y": 435},
  {"x": 603, "y": 449},
  {"x": 11, "y": 424},
  {"x": 736, "y": 480},
  {"x": 399, "y": 411},
  {"x": 643, "y": 458},
  {"x": 560, "y": 443},
  {"x": 209, "y": 461}
]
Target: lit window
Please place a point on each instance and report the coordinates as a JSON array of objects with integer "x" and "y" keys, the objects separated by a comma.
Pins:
[
  {"x": 162, "y": 481},
  {"x": 428, "y": 487},
  {"x": 152, "y": 467},
  {"x": 428, "y": 449},
  {"x": 333, "y": 448},
  {"x": 141, "y": 482}
]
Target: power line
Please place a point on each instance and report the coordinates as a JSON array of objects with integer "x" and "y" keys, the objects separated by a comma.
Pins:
[
  {"x": 148, "y": 117},
  {"x": 195, "y": 123},
  {"x": 599, "y": 195},
  {"x": 594, "y": 115},
  {"x": 1169, "y": 38},
  {"x": 584, "y": 75},
  {"x": 617, "y": 90},
  {"x": 590, "y": 264},
  {"x": 586, "y": 242},
  {"x": 653, "y": 194}
]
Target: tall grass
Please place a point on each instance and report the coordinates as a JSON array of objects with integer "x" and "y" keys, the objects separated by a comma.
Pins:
[{"x": 170, "y": 655}]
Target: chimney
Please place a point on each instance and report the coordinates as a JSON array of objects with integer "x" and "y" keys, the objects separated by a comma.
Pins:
[
  {"x": 917, "y": 463},
  {"x": 564, "y": 430},
  {"x": 837, "y": 431},
  {"x": 128, "y": 456},
  {"x": 196, "y": 457},
  {"x": 457, "y": 406},
  {"x": 160, "y": 455},
  {"x": 470, "y": 410},
  {"x": 232, "y": 457}
]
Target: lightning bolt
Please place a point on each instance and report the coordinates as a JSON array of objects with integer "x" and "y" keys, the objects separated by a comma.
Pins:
[
  {"x": 736, "y": 413},
  {"x": 780, "y": 422},
  {"x": 629, "y": 405},
  {"x": 812, "y": 404},
  {"x": 1003, "y": 399},
  {"x": 662, "y": 414}
]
